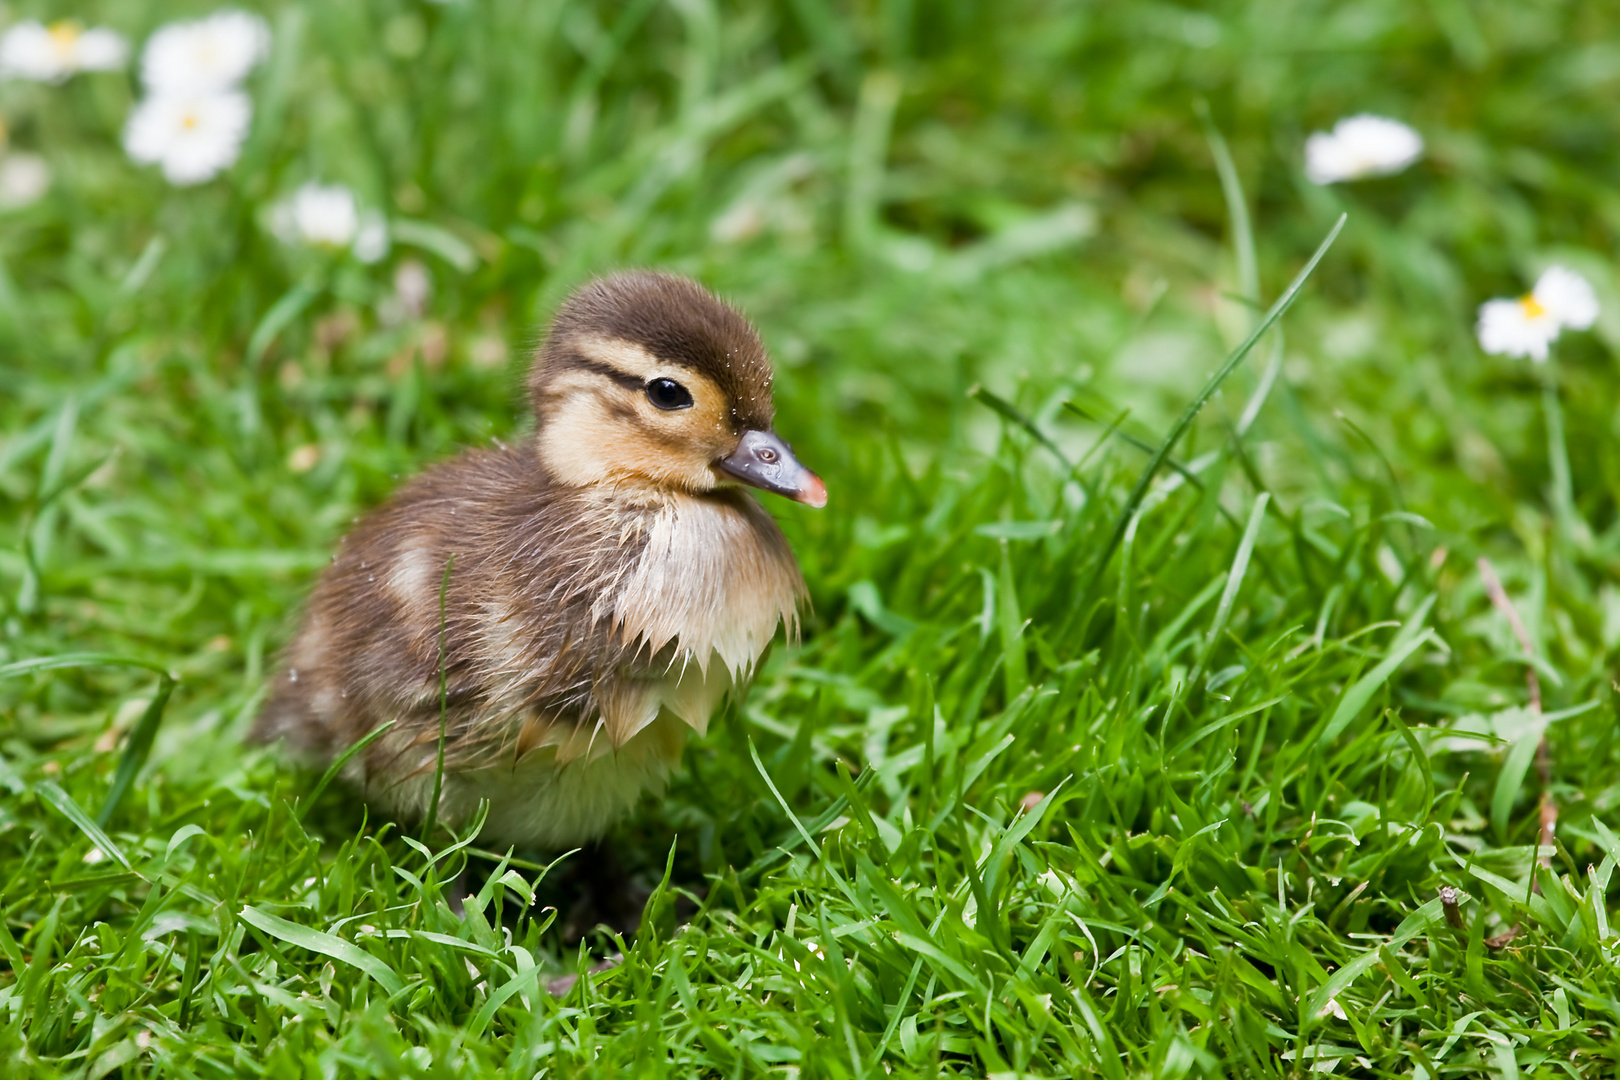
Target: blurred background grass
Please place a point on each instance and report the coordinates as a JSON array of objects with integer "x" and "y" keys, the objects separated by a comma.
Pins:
[{"x": 910, "y": 199}]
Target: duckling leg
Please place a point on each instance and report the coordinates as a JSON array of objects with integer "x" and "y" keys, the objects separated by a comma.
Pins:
[
  {"x": 607, "y": 895},
  {"x": 559, "y": 987}
]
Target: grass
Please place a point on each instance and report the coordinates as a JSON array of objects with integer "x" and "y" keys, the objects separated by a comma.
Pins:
[{"x": 1082, "y": 767}]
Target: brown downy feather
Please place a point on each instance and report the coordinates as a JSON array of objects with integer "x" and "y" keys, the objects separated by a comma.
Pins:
[{"x": 584, "y": 624}]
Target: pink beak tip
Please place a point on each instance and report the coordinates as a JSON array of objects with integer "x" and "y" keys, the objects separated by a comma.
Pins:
[{"x": 814, "y": 493}]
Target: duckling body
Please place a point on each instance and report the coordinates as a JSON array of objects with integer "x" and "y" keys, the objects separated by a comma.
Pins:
[{"x": 585, "y": 597}]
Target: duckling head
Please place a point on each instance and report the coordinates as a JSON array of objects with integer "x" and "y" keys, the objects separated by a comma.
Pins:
[{"x": 648, "y": 380}]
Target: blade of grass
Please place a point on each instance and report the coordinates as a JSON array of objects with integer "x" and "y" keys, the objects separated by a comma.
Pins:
[
  {"x": 868, "y": 149},
  {"x": 1132, "y": 501},
  {"x": 1262, "y": 390},
  {"x": 1418, "y": 922},
  {"x": 1356, "y": 698},
  {"x": 1511, "y": 779},
  {"x": 1237, "y": 208},
  {"x": 1015, "y": 658},
  {"x": 486, "y": 1012},
  {"x": 137, "y": 749},
  {"x": 1563, "y": 489},
  {"x": 76, "y": 660},
  {"x": 1012, "y": 413},
  {"x": 1014, "y": 835},
  {"x": 336, "y": 767},
  {"x": 444, "y": 708},
  {"x": 281, "y": 315},
  {"x": 1234, "y": 579},
  {"x": 436, "y": 241},
  {"x": 833, "y": 873},
  {"x": 344, "y": 952},
  {"x": 52, "y": 793},
  {"x": 1248, "y": 266},
  {"x": 1145, "y": 447}
]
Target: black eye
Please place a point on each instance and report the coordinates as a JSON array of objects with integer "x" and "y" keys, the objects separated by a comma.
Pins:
[{"x": 668, "y": 394}]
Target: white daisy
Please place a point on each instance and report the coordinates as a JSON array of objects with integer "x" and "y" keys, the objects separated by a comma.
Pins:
[
  {"x": 1530, "y": 324},
  {"x": 32, "y": 50},
  {"x": 192, "y": 135},
  {"x": 23, "y": 179},
  {"x": 1360, "y": 146},
  {"x": 329, "y": 216},
  {"x": 213, "y": 53}
]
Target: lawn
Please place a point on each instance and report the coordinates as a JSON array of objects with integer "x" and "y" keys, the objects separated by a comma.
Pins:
[{"x": 1126, "y": 738}]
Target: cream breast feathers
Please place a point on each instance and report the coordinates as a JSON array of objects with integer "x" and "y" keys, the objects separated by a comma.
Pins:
[{"x": 715, "y": 577}]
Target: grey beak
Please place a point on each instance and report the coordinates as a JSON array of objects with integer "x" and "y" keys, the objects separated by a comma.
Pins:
[{"x": 764, "y": 461}]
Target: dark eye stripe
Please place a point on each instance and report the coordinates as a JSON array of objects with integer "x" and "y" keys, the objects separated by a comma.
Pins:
[{"x": 607, "y": 371}]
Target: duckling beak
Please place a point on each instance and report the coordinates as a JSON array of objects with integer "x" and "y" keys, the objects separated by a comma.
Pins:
[{"x": 764, "y": 461}]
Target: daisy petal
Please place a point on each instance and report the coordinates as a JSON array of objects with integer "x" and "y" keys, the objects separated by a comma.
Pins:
[
  {"x": 1511, "y": 328},
  {"x": 1568, "y": 297}
]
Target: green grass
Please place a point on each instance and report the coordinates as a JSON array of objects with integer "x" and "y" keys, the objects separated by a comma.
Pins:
[{"x": 1024, "y": 800}]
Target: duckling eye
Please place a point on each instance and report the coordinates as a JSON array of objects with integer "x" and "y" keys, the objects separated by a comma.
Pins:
[{"x": 668, "y": 394}]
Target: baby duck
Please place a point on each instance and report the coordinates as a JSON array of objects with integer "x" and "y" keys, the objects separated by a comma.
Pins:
[{"x": 586, "y": 595}]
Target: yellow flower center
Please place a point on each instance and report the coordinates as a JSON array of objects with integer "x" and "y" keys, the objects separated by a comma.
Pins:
[
  {"x": 1532, "y": 306},
  {"x": 64, "y": 36},
  {"x": 189, "y": 121}
]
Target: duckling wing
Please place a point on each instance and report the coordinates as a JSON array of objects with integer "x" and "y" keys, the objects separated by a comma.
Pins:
[{"x": 479, "y": 572}]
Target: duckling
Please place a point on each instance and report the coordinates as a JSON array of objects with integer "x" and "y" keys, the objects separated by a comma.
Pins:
[{"x": 587, "y": 595}]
